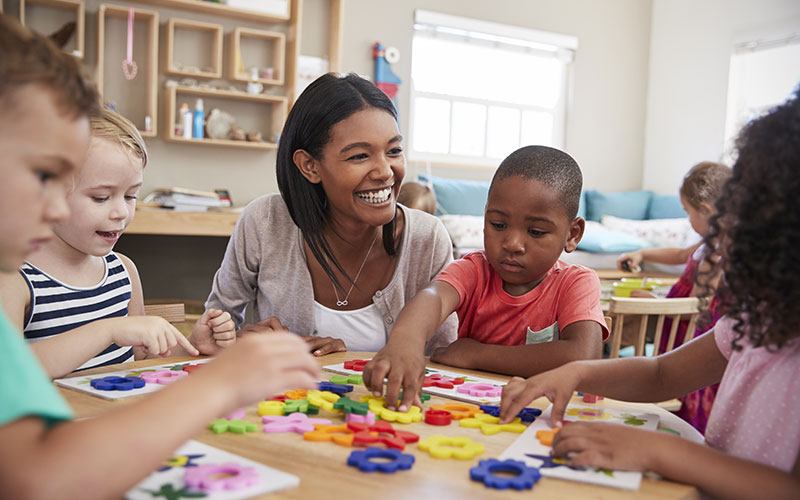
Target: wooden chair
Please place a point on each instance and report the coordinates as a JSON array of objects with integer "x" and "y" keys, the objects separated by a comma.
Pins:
[{"x": 622, "y": 307}]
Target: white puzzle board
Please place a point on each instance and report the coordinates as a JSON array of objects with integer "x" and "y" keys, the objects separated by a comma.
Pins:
[
  {"x": 438, "y": 391},
  {"x": 193, "y": 453},
  {"x": 527, "y": 444},
  {"x": 82, "y": 383}
]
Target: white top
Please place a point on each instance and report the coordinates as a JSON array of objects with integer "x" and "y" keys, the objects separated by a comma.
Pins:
[{"x": 359, "y": 329}]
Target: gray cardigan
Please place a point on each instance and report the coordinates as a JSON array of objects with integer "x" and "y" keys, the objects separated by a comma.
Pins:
[{"x": 265, "y": 262}]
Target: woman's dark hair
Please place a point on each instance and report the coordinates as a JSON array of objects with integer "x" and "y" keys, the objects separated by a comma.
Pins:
[
  {"x": 757, "y": 230},
  {"x": 327, "y": 101}
]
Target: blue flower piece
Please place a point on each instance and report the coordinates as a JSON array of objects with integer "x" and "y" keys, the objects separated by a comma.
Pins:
[
  {"x": 486, "y": 470},
  {"x": 335, "y": 388},
  {"x": 397, "y": 460},
  {"x": 526, "y": 415},
  {"x": 112, "y": 383},
  {"x": 550, "y": 462}
]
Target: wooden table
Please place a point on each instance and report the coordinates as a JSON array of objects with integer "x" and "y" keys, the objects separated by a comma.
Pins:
[{"x": 324, "y": 473}]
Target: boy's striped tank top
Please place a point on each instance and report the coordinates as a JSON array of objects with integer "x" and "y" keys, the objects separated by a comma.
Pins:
[{"x": 57, "y": 307}]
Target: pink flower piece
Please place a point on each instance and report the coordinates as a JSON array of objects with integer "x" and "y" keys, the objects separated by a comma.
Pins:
[
  {"x": 295, "y": 422},
  {"x": 368, "y": 419},
  {"x": 238, "y": 414},
  {"x": 217, "y": 477},
  {"x": 481, "y": 390},
  {"x": 163, "y": 377}
]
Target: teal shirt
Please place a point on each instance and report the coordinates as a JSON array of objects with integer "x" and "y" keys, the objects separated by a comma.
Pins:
[{"x": 25, "y": 389}]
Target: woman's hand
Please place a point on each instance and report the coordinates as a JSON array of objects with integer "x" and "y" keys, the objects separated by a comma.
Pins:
[
  {"x": 608, "y": 446},
  {"x": 404, "y": 367},
  {"x": 320, "y": 346}
]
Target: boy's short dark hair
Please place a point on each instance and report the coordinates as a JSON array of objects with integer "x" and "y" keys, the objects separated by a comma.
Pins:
[
  {"x": 552, "y": 167},
  {"x": 30, "y": 58}
]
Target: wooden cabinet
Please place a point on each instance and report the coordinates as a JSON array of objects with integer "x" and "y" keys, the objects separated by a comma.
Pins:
[{"x": 57, "y": 13}]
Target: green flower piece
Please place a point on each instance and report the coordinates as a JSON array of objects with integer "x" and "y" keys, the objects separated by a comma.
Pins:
[
  {"x": 347, "y": 379},
  {"x": 170, "y": 493},
  {"x": 629, "y": 419},
  {"x": 607, "y": 472},
  {"x": 299, "y": 405},
  {"x": 236, "y": 426},
  {"x": 347, "y": 405}
]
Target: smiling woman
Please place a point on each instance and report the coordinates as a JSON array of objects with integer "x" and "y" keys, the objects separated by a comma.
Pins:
[{"x": 309, "y": 257}]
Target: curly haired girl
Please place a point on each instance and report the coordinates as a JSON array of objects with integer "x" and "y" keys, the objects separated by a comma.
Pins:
[{"x": 753, "y": 432}]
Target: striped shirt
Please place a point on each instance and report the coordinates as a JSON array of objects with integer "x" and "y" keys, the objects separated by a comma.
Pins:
[{"x": 57, "y": 307}]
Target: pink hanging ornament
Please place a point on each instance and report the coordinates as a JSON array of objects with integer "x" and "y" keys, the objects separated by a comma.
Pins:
[{"x": 129, "y": 67}]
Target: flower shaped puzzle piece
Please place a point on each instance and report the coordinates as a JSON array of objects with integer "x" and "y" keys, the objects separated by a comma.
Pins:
[
  {"x": 362, "y": 459},
  {"x": 378, "y": 406},
  {"x": 480, "y": 390},
  {"x": 163, "y": 377},
  {"x": 458, "y": 410},
  {"x": 295, "y": 422},
  {"x": 297, "y": 394},
  {"x": 523, "y": 478},
  {"x": 191, "y": 368},
  {"x": 546, "y": 437},
  {"x": 451, "y": 447},
  {"x": 355, "y": 379},
  {"x": 349, "y": 406},
  {"x": 270, "y": 408},
  {"x": 381, "y": 432},
  {"x": 489, "y": 425},
  {"x": 356, "y": 365},
  {"x": 300, "y": 405},
  {"x": 439, "y": 380},
  {"x": 238, "y": 414},
  {"x": 322, "y": 399},
  {"x": 339, "y": 389},
  {"x": 368, "y": 419},
  {"x": 526, "y": 415},
  {"x": 218, "y": 477},
  {"x": 112, "y": 383},
  {"x": 339, "y": 434},
  {"x": 629, "y": 419},
  {"x": 588, "y": 414},
  {"x": 221, "y": 425}
]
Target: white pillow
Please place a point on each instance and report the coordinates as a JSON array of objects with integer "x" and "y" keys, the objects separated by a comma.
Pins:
[
  {"x": 659, "y": 232},
  {"x": 466, "y": 231}
]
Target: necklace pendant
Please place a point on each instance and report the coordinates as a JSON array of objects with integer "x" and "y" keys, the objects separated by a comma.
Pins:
[{"x": 341, "y": 303}]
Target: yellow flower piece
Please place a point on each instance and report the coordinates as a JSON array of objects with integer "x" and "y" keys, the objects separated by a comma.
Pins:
[
  {"x": 451, "y": 447},
  {"x": 322, "y": 399},
  {"x": 588, "y": 414},
  {"x": 270, "y": 408}
]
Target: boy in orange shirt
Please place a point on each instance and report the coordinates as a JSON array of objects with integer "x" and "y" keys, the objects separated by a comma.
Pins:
[{"x": 520, "y": 309}]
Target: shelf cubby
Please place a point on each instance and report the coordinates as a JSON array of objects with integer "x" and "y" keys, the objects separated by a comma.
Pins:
[
  {"x": 138, "y": 98},
  {"x": 228, "y": 100},
  {"x": 193, "y": 39},
  {"x": 222, "y": 10},
  {"x": 48, "y": 16},
  {"x": 257, "y": 48}
]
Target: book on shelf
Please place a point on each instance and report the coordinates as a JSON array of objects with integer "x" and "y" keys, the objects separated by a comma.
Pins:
[{"x": 187, "y": 200}]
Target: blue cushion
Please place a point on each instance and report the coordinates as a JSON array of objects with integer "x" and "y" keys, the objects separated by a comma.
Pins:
[
  {"x": 627, "y": 205},
  {"x": 609, "y": 241},
  {"x": 582, "y": 205},
  {"x": 455, "y": 196},
  {"x": 629, "y": 351},
  {"x": 665, "y": 206}
]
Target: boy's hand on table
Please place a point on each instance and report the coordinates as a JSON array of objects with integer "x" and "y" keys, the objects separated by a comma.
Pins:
[
  {"x": 556, "y": 385},
  {"x": 320, "y": 346},
  {"x": 608, "y": 446},
  {"x": 153, "y": 334},
  {"x": 460, "y": 353},
  {"x": 213, "y": 332},
  {"x": 403, "y": 366}
]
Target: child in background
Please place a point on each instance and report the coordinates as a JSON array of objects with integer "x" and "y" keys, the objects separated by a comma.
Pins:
[
  {"x": 753, "y": 432},
  {"x": 700, "y": 189},
  {"x": 71, "y": 297},
  {"x": 418, "y": 195},
  {"x": 44, "y": 137},
  {"x": 520, "y": 309}
]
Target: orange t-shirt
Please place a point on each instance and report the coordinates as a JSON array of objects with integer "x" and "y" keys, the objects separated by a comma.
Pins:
[{"x": 488, "y": 314}]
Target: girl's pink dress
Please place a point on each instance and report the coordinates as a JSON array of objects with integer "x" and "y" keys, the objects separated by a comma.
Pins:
[{"x": 696, "y": 406}]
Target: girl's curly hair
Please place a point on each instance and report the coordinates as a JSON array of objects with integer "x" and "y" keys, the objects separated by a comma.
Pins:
[{"x": 757, "y": 230}]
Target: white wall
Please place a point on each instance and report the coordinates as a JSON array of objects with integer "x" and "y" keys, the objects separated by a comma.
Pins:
[
  {"x": 605, "y": 124},
  {"x": 691, "y": 43}
]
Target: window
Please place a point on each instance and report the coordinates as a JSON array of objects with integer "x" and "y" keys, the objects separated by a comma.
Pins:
[
  {"x": 480, "y": 90},
  {"x": 763, "y": 73}
]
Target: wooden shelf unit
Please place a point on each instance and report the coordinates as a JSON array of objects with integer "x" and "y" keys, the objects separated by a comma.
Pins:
[
  {"x": 170, "y": 223},
  {"x": 237, "y": 58},
  {"x": 215, "y": 30},
  {"x": 75, "y": 6},
  {"x": 279, "y": 111},
  {"x": 217, "y": 9},
  {"x": 149, "y": 67}
]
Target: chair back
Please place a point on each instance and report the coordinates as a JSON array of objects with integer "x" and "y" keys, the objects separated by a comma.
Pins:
[{"x": 622, "y": 308}]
